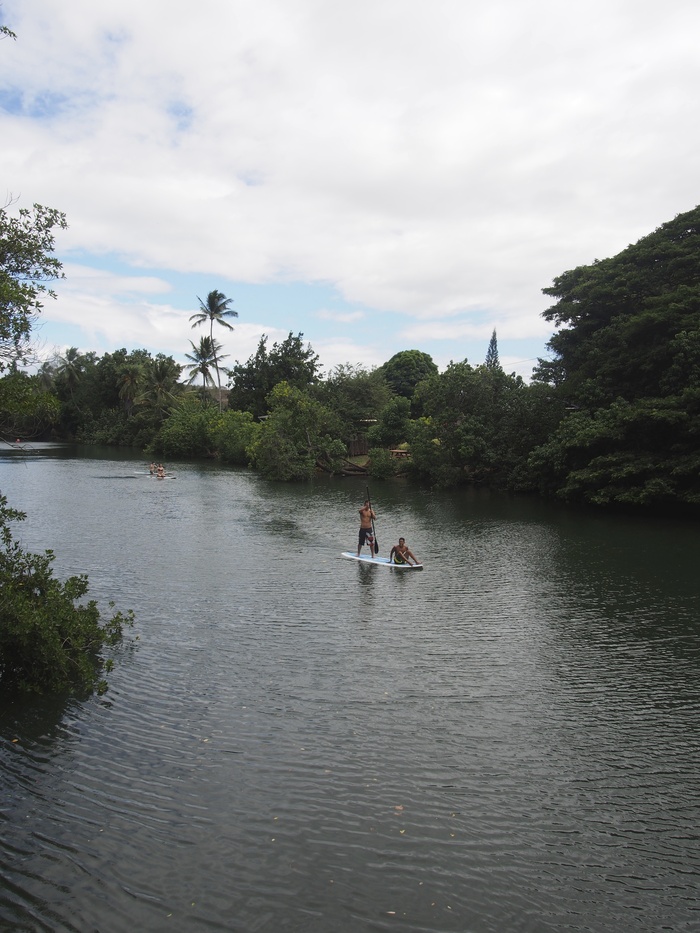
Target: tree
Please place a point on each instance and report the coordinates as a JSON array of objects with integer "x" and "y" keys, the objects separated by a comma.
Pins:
[
  {"x": 160, "y": 387},
  {"x": 187, "y": 431},
  {"x": 356, "y": 395},
  {"x": 480, "y": 426},
  {"x": 49, "y": 641},
  {"x": 129, "y": 382},
  {"x": 298, "y": 436},
  {"x": 289, "y": 361},
  {"x": 406, "y": 369},
  {"x": 626, "y": 364},
  {"x": 618, "y": 320},
  {"x": 393, "y": 426},
  {"x": 26, "y": 265},
  {"x": 27, "y": 410},
  {"x": 202, "y": 359},
  {"x": 70, "y": 368},
  {"x": 492, "y": 361},
  {"x": 233, "y": 433},
  {"x": 215, "y": 309},
  {"x": 7, "y": 32},
  {"x": 46, "y": 374},
  {"x": 74, "y": 385}
]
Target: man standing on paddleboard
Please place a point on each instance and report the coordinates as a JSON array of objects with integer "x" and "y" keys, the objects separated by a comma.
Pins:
[{"x": 366, "y": 536}]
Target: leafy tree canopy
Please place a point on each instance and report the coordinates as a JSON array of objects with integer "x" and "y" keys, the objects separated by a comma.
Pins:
[
  {"x": 26, "y": 265},
  {"x": 298, "y": 435},
  {"x": 406, "y": 369},
  {"x": 626, "y": 360},
  {"x": 357, "y": 395},
  {"x": 628, "y": 325},
  {"x": 27, "y": 410},
  {"x": 478, "y": 426},
  {"x": 289, "y": 361}
]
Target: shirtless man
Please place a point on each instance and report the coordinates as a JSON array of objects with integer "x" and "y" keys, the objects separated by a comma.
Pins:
[
  {"x": 400, "y": 553},
  {"x": 366, "y": 536}
]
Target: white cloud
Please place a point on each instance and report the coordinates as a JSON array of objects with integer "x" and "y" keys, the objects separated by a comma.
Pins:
[{"x": 442, "y": 161}]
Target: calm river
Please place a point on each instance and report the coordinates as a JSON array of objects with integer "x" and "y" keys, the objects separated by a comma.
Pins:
[{"x": 507, "y": 741}]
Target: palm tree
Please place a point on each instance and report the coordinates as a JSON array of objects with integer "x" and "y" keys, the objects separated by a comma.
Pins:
[
  {"x": 203, "y": 357},
  {"x": 70, "y": 366},
  {"x": 129, "y": 382},
  {"x": 160, "y": 384},
  {"x": 46, "y": 374},
  {"x": 215, "y": 308}
]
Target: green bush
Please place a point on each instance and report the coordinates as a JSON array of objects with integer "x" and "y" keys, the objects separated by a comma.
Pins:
[
  {"x": 48, "y": 641},
  {"x": 186, "y": 432},
  {"x": 233, "y": 432}
]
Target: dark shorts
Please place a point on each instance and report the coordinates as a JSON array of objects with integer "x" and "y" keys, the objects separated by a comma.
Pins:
[{"x": 366, "y": 536}]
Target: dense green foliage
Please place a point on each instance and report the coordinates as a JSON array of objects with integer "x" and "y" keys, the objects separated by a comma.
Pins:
[
  {"x": 121, "y": 398},
  {"x": 196, "y": 430},
  {"x": 289, "y": 361},
  {"x": 49, "y": 640},
  {"x": 356, "y": 395},
  {"x": 479, "y": 426},
  {"x": 626, "y": 361},
  {"x": 299, "y": 435},
  {"x": 406, "y": 369},
  {"x": 27, "y": 410},
  {"x": 394, "y": 424},
  {"x": 26, "y": 264}
]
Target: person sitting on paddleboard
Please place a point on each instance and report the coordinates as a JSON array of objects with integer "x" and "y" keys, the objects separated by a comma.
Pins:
[
  {"x": 400, "y": 553},
  {"x": 366, "y": 536}
]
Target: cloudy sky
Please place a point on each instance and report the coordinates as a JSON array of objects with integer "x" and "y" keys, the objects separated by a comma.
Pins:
[{"x": 382, "y": 175}]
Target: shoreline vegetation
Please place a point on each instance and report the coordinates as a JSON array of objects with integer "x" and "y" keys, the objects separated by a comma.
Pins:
[{"x": 610, "y": 419}]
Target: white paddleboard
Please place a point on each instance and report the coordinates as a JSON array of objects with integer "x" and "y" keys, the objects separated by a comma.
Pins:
[{"x": 380, "y": 561}]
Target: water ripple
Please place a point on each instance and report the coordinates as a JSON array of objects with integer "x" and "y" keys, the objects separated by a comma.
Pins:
[{"x": 506, "y": 741}]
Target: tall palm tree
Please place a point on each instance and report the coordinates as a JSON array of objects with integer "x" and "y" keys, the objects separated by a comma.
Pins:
[
  {"x": 203, "y": 357},
  {"x": 215, "y": 308}
]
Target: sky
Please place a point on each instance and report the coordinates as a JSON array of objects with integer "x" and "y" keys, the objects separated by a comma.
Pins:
[{"x": 380, "y": 176}]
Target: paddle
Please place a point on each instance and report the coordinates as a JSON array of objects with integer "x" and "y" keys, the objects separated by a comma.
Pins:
[{"x": 374, "y": 533}]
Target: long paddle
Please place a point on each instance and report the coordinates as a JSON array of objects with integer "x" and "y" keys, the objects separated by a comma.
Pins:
[{"x": 374, "y": 533}]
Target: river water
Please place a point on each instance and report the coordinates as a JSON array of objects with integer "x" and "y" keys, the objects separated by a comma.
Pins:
[{"x": 506, "y": 741}]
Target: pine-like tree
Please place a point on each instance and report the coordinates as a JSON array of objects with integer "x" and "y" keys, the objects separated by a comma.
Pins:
[{"x": 492, "y": 361}]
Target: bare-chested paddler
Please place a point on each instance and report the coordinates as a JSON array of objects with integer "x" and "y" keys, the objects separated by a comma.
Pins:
[{"x": 366, "y": 534}]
